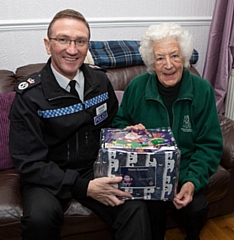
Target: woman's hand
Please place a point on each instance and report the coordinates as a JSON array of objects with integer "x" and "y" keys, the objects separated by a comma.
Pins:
[
  {"x": 185, "y": 196},
  {"x": 137, "y": 127}
]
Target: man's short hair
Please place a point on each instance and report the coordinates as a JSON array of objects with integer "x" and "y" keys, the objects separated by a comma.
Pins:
[{"x": 67, "y": 13}]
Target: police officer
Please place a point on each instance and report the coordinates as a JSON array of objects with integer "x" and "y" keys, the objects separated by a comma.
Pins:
[{"x": 54, "y": 138}]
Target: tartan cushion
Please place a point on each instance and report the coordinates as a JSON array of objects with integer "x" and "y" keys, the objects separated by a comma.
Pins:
[
  {"x": 112, "y": 54},
  {"x": 194, "y": 57}
]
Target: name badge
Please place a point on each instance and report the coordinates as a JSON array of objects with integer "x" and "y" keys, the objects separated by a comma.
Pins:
[
  {"x": 98, "y": 119},
  {"x": 101, "y": 109}
]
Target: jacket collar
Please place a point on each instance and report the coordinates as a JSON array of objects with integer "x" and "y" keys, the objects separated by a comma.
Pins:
[
  {"x": 51, "y": 87},
  {"x": 186, "y": 90}
]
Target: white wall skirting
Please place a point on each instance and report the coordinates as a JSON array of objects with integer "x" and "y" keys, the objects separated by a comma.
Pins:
[{"x": 33, "y": 24}]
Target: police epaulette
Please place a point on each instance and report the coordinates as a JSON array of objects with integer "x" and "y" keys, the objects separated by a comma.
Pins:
[
  {"x": 97, "y": 67},
  {"x": 27, "y": 83}
]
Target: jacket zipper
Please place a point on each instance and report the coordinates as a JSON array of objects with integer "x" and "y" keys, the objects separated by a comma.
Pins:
[
  {"x": 77, "y": 149},
  {"x": 86, "y": 144},
  {"x": 74, "y": 161}
]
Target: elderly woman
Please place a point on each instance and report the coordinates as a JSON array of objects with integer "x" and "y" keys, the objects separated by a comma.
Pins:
[{"x": 168, "y": 95}]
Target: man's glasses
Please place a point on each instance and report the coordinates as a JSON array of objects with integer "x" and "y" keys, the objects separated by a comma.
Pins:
[{"x": 66, "y": 42}]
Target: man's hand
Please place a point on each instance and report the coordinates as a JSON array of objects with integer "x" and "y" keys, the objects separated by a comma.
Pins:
[
  {"x": 101, "y": 189},
  {"x": 185, "y": 196}
]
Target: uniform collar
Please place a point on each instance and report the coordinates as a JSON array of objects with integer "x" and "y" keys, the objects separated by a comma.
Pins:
[
  {"x": 63, "y": 81},
  {"x": 53, "y": 90}
]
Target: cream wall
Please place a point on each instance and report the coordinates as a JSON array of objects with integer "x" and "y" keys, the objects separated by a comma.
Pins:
[{"x": 23, "y": 23}]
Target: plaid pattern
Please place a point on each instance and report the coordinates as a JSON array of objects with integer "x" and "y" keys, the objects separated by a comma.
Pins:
[
  {"x": 194, "y": 57},
  {"x": 112, "y": 54}
]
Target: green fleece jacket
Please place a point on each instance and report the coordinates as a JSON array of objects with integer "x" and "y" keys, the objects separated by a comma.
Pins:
[{"x": 195, "y": 126}]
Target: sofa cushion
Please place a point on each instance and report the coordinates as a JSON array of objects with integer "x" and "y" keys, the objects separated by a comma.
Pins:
[
  {"x": 5, "y": 105},
  {"x": 218, "y": 185},
  {"x": 112, "y": 54},
  {"x": 7, "y": 81},
  {"x": 24, "y": 71},
  {"x": 121, "y": 77},
  {"x": 227, "y": 126},
  {"x": 119, "y": 95}
]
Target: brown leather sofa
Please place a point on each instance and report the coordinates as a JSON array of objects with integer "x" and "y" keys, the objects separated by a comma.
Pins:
[{"x": 79, "y": 222}]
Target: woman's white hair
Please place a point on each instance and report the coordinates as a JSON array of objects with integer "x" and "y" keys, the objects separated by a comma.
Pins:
[{"x": 156, "y": 33}]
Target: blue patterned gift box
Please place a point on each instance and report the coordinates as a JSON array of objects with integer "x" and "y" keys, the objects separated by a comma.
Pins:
[{"x": 149, "y": 171}]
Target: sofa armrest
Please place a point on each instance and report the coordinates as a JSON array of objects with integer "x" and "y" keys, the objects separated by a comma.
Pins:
[
  {"x": 7, "y": 81},
  {"x": 194, "y": 71},
  {"x": 227, "y": 126}
]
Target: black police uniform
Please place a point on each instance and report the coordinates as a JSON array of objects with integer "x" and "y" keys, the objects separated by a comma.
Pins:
[{"x": 54, "y": 140}]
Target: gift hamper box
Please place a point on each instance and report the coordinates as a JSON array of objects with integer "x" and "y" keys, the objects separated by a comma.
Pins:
[{"x": 147, "y": 160}]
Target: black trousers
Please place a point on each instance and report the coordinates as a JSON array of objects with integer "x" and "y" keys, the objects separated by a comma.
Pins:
[
  {"x": 192, "y": 217},
  {"x": 43, "y": 215}
]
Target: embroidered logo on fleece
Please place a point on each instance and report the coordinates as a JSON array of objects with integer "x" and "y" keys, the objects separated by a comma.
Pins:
[{"x": 186, "y": 127}]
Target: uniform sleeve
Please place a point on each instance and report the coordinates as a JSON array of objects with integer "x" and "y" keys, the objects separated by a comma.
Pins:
[{"x": 29, "y": 151}]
